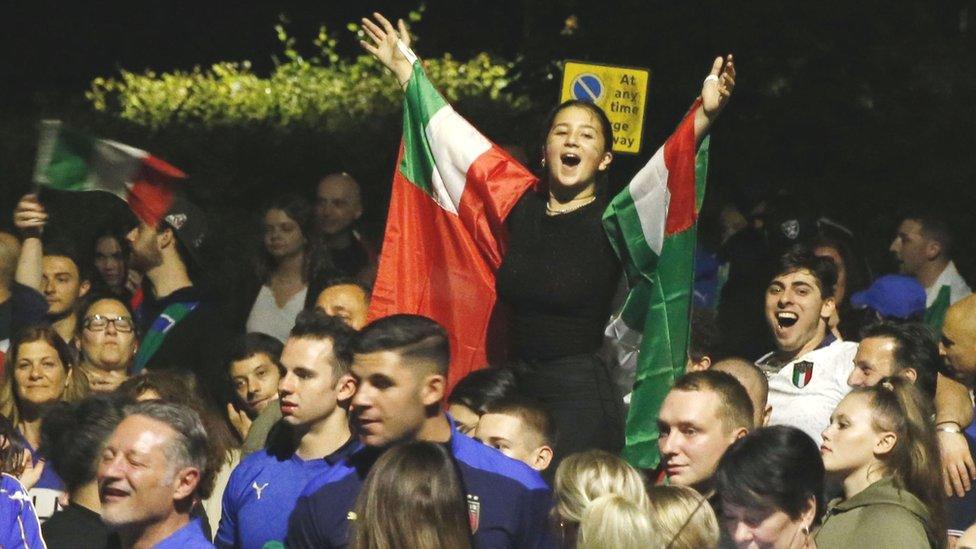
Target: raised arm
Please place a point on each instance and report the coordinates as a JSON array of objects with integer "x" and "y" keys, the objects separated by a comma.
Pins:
[
  {"x": 30, "y": 218},
  {"x": 715, "y": 94},
  {"x": 383, "y": 45}
]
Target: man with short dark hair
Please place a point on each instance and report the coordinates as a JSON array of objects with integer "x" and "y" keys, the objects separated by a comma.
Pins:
[
  {"x": 72, "y": 437},
  {"x": 150, "y": 477},
  {"x": 893, "y": 349},
  {"x": 755, "y": 383},
  {"x": 400, "y": 366},
  {"x": 704, "y": 339},
  {"x": 702, "y": 415},
  {"x": 808, "y": 371},
  {"x": 923, "y": 249},
  {"x": 313, "y": 435},
  {"x": 520, "y": 428},
  {"x": 49, "y": 279},
  {"x": 338, "y": 206}
]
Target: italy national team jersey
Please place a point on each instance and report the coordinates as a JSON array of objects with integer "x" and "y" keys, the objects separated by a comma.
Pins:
[
  {"x": 19, "y": 527},
  {"x": 508, "y": 502},
  {"x": 261, "y": 494}
]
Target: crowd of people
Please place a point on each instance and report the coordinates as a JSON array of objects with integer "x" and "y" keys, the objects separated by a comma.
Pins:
[{"x": 820, "y": 407}]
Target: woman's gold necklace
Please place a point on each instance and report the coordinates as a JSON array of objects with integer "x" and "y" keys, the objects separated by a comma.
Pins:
[{"x": 552, "y": 212}]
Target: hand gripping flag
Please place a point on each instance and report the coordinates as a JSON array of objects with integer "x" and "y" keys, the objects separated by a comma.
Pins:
[
  {"x": 652, "y": 227},
  {"x": 72, "y": 161},
  {"x": 445, "y": 232}
]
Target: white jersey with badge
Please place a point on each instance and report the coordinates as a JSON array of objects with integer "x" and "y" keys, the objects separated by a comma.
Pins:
[{"x": 805, "y": 391}]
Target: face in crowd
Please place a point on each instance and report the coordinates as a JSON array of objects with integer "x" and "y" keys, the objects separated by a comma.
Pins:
[
  {"x": 146, "y": 245},
  {"x": 874, "y": 361},
  {"x": 795, "y": 308},
  {"x": 309, "y": 389},
  {"x": 62, "y": 284},
  {"x": 840, "y": 288},
  {"x": 510, "y": 435},
  {"x": 255, "y": 380},
  {"x": 911, "y": 248},
  {"x": 110, "y": 261},
  {"x": 108, "y": 338},
  {"x": 348, "y": 302},
  {"x": 851, "y": 442},
  {"x": 576, "y": 149},
  {"x": 137, "y": 482},
  {"x": 40, "y": 376},
  {"x": 282, "y": 235},
  {"x": 693, "y": 436},
  {"x": 337, "y": 203},
  {"x": 392, "y": 397},
  {"x": 958, "y": 342}
]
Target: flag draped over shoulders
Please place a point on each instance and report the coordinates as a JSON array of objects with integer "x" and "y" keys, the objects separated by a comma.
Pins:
[
  {"x": 445, "y": 231},
  {"x": 652, "y": 227},
  {"x": 69, "y": 160}
]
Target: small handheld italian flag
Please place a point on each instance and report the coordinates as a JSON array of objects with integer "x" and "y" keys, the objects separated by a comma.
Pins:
[
  {"x": 652, "y": 227},
  {"x": 68, "y": 160}
]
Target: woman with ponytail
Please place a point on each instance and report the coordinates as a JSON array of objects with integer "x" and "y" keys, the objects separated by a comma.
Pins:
[{"x": 880, "y": 446}]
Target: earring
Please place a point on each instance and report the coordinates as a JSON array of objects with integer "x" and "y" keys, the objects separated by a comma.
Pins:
[{"x": 543, "y": 162}]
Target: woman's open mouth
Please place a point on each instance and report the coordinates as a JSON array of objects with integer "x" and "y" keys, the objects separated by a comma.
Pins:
[{"x": 569, "y": 159}]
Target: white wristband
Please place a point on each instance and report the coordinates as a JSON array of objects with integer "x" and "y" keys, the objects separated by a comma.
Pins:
[
  {"x": 407, "y": 52},
  {"x": 709, "y": 78}
]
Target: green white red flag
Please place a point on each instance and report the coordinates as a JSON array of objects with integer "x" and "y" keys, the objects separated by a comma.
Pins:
[
  {"x": 652, "y": 227},
  {"x": 445, "y": 232},
  {"x": 72, "y": 161}
]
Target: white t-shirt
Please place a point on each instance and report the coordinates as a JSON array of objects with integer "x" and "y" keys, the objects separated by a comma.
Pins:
[
  {"x": 805, "y": 391},
  {"x": 267, "y": 318}
]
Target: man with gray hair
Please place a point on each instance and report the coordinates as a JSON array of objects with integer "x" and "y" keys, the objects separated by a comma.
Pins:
[{"x": 152, "y": 470}]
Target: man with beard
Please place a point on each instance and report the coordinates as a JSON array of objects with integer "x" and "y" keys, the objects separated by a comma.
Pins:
[
  {"x": 180, "y": 325},
  {"x": 808, "y": 371},
  {"x": 338, "y": 205}
]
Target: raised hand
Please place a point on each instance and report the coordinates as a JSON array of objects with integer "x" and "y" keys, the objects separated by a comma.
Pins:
[
  {"x": 718, "y": 86},
  {"x": 382, "y": 45},
  {"x": 30, "y": 216},
  {"x": 239, "y": 419}
]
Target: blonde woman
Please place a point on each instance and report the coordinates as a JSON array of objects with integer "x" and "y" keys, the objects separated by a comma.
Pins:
[
  {"x": 612, "y": 520},
  {"x": 582, "y": 478},
  {"x": 682, "y": 519}
]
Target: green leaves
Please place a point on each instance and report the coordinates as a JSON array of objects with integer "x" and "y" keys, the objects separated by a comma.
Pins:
[{"x": 325, "y": 91}]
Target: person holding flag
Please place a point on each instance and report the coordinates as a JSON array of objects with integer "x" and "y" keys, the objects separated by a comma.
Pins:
[{"x": 552, "y": 250}]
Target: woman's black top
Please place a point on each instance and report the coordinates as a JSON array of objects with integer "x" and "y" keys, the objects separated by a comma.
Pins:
[{"x": 558, "y": 277}]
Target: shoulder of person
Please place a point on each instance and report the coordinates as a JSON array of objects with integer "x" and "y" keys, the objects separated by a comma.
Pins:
[
  {"x": 891, "y": 525},
  {"x": 471, "y": 453}
]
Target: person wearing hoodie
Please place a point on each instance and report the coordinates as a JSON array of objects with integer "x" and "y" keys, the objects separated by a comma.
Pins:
[{"x": 880, "y": 446}]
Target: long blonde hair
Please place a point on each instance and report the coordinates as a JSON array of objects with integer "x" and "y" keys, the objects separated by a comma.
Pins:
[
  {"x": 682, "y": 519},
  {"x": 77, "y": 384}
]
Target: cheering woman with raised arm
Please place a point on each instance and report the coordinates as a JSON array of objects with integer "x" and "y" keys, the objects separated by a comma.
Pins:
[{"x": 559, "y": 273}]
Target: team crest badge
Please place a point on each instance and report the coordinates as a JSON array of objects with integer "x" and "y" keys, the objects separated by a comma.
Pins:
[
  {"x": 176, "y": 220},
  {"x": 802, "y": 373},
  {"x": 791, "y": 228},
  {"x": 474, "y": 512}
]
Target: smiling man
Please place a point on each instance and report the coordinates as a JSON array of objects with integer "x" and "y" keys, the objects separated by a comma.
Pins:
[
  {"x": 313, "y": 434},
  {"x": 400, "y": 366},
  {"x": 809, "y": 369},
  {"x": 151, "y": 473}
]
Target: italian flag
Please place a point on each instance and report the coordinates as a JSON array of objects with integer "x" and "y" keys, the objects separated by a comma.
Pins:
[
  {"x": 72, "y": 161},
  {"x": 652, "y": 227},
  {"x": 445, "y": 232}
]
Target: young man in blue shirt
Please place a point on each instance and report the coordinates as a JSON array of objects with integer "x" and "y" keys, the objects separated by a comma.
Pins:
[
  {"x": 400, "y": 366},
  {"x": 312, "y": 436}
]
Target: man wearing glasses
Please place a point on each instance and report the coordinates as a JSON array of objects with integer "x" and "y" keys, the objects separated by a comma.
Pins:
[{"x": 108, "y": 342}]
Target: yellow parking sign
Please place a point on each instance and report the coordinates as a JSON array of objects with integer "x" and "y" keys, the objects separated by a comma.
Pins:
[{"x": 620, "y": 91}]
